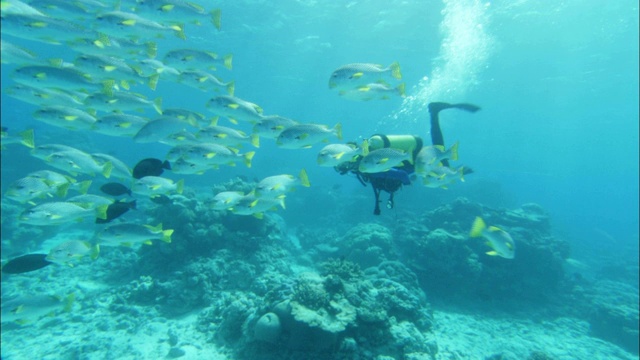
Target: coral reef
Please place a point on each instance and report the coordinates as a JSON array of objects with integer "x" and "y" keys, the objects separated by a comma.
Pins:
[{"x": 439, "y": 249}]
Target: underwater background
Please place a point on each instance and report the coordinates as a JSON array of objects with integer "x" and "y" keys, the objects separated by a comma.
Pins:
[{"x": 554, "y": 150}]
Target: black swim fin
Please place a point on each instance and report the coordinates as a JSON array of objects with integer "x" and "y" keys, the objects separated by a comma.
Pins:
[{"x": 436, "y": 107}]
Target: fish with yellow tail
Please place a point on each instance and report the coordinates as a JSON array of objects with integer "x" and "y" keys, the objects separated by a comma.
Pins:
[
  {"x": 353, "y": 76},
  {"x": 128, "y": 234},
  {"x": 277, "y": 185},
  {"x": 304, "y": 136},
  {"x": 69, "y": 251},
  {"x": 498, "y": 240}
]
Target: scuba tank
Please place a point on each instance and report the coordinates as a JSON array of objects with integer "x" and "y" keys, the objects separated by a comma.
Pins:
[{"x": 409, "y": 143}]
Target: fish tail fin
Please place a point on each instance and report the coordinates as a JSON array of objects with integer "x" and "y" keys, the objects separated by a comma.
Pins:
[
  {"x": 228, "y": 61},
  {"x": 83, "y": 186},
  {"x": 180, "y": 186},
  {"x": 95, "y": 251},
  {"x": 216, "y": 16},
  {"x": 304, "y": 178},
  {"x": 157, "y": 105},
  {"x": 61, "y": 191},
  {"x": 106, "y": 169},
  {"x": 338, "y": 129},
  {"x": 107, "y": 87},
  {"x": 401, "y": 89},
  {"x": 153, "y": 83},
  {"x": 101, "y": 212},
  {"x": 166, "y": 165},
  {"x": 477, "y": 227},
  {"x": 166, "y": 235},
  {"x": 27, "y": 138},
  {"x": 395, "y": 70},
  {"x": 68, "y": 302},
  {"x": 281, "y": 202},
  {"x": 247, "y": 158},
  {"x": 255, "y": 140},
  {"x": 231, "y": 87},
  {"x": 461, "y": 171},
  {"x": 454, "y": 152},
  {"x": 152, "y": 49},
  {"x": 179, "y": 29}
]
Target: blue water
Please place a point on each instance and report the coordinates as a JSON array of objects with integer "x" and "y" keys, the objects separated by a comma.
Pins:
[{"x": 557, "y": 82}]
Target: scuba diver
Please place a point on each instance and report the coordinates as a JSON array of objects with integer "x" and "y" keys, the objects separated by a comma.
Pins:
[{"x": 392, "y": 179}]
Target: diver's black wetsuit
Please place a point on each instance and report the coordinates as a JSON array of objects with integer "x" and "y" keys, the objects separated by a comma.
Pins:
[{"x": 436, "y": 132}]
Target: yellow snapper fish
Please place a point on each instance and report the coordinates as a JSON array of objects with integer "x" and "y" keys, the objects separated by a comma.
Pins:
[
  {"x": 381, "y": 160},
  {"x": 191, "y": 59},
  {"x": 117, "y": 47},
  {"x": 122, "y": 101},
  {"x": 18, "y": 7},
  {"x": 65, "y": 117},
  {"x": 441, "y": 176},
  {"x": 78, "y": 9},
  {"x": 277, "y": 185},
  {"x": 188, "y": 116},
  {"x": 256, "y": 206},
  {"x": 132, "y": 26},
  {"x": 271, "y": 126},
  {"x": 353, "y": 76},
  {"x": 127, "y": 234},
  {"x": 160, "y": 128},
  {"x": 78, "y": 162},
  {"x": 90, "y": 200},
  {"x": 429, "y": 157},
  {"x": 306, "y": 135},
  {"x": 119, "y": 168},
  {"x": 211, "y": 155},
  {"x": 43, "y": 151},
  {"x": 336, "y": 154},
  {"x": 60, "y": 212},
  {"x": 185, "y": 167},
  {"x": 69, "y": 251},
  {"x": 64, "y": 78},
  {"x": 43, "y": 184},
  {"x": 234, "y": 109},
  {"x": 41, "y": 96},
  {"x": 226, "y": 199},
  {"x": 24, "y": 137},
  {"x": 62, "y": 183},
  {"x": 119, "y": 124},
  {"x": 499, "y": 240},
  {"x": 13, "y": 54},
  {"x": 30, "y": 308},
  {"x": 177, "y": 11},
  {"x": 28, "y": 188},
  {"x": 180, "y": 138},
  {"x": 104, "y": 67},
  {"x": 204, "y": 81},
  {"x": 44, "y": 28},
  {"x": 226, "y": 136},
  {"x": 155, "y": 185},
  {"x": 155, "y": 70},
  {"x": 373, "y": 91}
]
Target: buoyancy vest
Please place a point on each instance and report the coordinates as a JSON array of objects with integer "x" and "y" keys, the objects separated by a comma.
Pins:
[{"x": 409, "y": 143}]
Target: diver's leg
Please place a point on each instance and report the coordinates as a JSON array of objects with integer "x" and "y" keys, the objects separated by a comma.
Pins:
[{"x": 436, "y": 132}]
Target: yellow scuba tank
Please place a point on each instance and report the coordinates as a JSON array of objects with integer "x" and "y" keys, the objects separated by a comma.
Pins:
[{"x": 409, "y": 143}]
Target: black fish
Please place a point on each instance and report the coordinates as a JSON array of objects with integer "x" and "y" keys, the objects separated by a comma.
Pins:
[
  {"x": 115, "y": 210},
  {"x": 26, "y": 263},
  {"x": 150, "y": 167},
  {"x": 115, "y": 189},
  {"x": 161, "y": 199}
]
